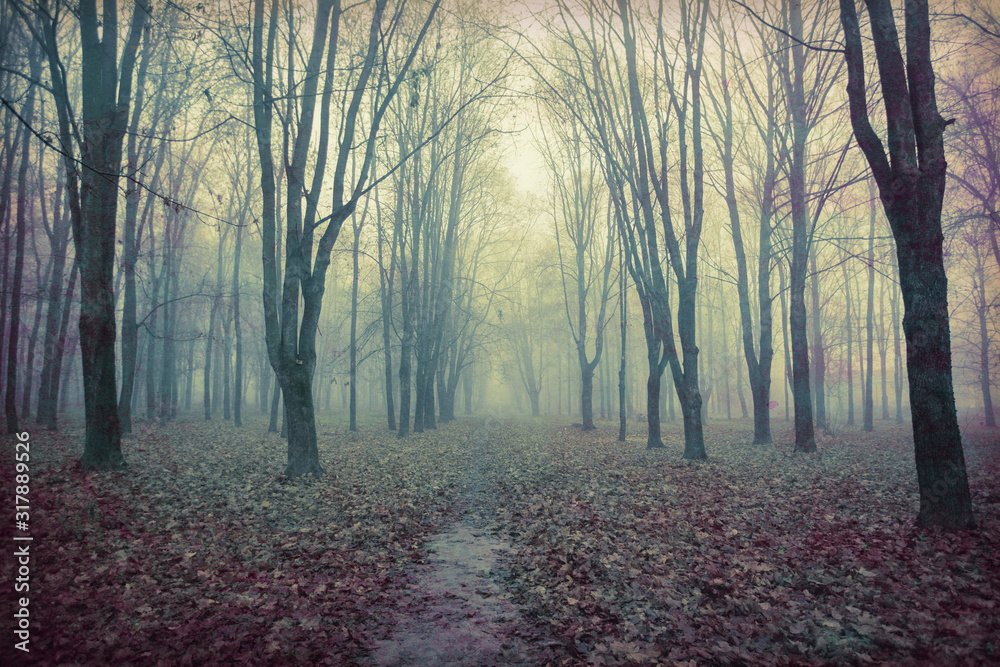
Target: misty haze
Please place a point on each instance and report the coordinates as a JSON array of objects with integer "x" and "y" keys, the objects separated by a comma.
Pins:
[{"x": 482, "y": 333}]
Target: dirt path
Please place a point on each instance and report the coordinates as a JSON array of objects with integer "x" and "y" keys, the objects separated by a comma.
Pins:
[{"x": 452, "y": 611}]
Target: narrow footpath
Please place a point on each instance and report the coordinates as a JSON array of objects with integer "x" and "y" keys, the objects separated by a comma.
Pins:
[{"x": 453, "y": 612}]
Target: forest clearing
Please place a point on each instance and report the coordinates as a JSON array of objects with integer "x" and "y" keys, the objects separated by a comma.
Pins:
[{"x": 599, "y": 552}]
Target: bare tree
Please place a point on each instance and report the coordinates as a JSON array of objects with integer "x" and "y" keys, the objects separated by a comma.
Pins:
[
  {"x": 585, "y": 249},
  {"x": 911, "y": 182},
  {"x": 92, "y": 188},
  {"x": 291, "y": 345}
]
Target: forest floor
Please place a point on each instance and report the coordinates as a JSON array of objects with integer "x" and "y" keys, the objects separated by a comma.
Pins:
[{"x": 504, "y": 541}]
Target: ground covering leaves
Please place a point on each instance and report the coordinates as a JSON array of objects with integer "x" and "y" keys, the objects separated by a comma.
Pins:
[
  {"x": 756, "y": 556},
  {"x": 201, "y": 552}
]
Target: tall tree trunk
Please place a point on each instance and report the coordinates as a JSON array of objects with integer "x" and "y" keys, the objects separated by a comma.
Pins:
[
  {"x": 209, "y": 342},
  {"x": 758, "y": 369},
  {"x": 982, "y": 308},
  {"x": 130, "y": 252},
  {"x": 385, "y": 296},
  {"x": 354, "y": 325},
  {"x": 10, "y": 150},
  {"x": 238, "y": 328},
  {"x": 805, "y": 440},
  {"x": 882, "y": 350},
  {"x": 869, "y": 407},
  {"x": 911, "y": 187},
  {"x": 623, "y": 330},
  {"x": 189, "y": 385},
  {"x": 227, "y": 362},
  {"x": 24, "y": 204},
  {"x": 29, "y": 362},
  {"x": 849, "y": 328},
  {"x": 51, "y": 412},
  {"x": 785, "y": 338},
  {"x": 59, "y": 244},
  {"x": 818, "y": 360},
  {"x": 105, "y": 115}
]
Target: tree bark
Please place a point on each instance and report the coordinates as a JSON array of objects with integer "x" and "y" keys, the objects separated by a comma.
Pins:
[
  {"x": 758, "y": 368},
  {"x": 130, "y": 252},
  {"x": 353, "y": 419},
  {"x": 385, "y": 295},
  {"x": 869, "y": 407},
  {"x": 911, "y": 187},
  {"x": 24, "y": 204},
  {"x": 209, "y": 342},
  {"x": 805, "y": 440},
  {"x": 982, "y": 309},
  {"x": 105, "y": 115},
  {"x": 818, "y": 357},
  {"x": 238, "y": 328},
  {"x": 849, "y": 329}
]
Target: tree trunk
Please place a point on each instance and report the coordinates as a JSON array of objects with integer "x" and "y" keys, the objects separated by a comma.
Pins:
[
  {"x": 587, "y": 397},
  {"x": 849, "y": 328},
  {"x": 276, "y": 402},
  {"x": 104, "y": 122},
  {"x": 467, "y": 391},
  {"x": 10, "y": 150},
  {"x": 303, "y": 452},
  {"x": 209, "y": 340},
  {"x": 238, "y": 328},
  {"x": 912, "y": 187},
  {"x": 653, "y": 440},
  {"x": 354, "y": 326},
  {"x": 130, "y": 253},
  {"x": 982, "y": 309},
  {"x": 623, "y": 330},
  {"x": 385, "y": 296},
  {"x": 882, "y": 350},
  {"x": 805, "y": 440},
  {"x": 227, "y": 362},
  {"x": 33, "y": 337},
  {"x": 24, "y": 204},
  {"x": 869, "y": 407},
  {"x": 818, "y": 360}
]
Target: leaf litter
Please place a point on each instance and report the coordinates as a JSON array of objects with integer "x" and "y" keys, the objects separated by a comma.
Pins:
[{"x": 558, "y": 547}]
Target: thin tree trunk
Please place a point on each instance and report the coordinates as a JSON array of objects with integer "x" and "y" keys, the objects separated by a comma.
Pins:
[
  {"x": 24, "y": 205},
  {"x": 869, "y": 408},
  {"x": 623, "y": 330},
  {"x": 238, "y": 329},
  {"x": 849, "y": 328},
  {"x": 882, "y": 350},
  {"x": 130, "y": 253},
  {"x": 209, "y": 341},
  {"x": 982, "y": 307},
  {"x": 818, "y": 360},
  {"x": 227, "y": 362},
  {"x": 354, "y": 327},
  {"x": 11, "y": 142},
  {"x": 385, "y": 295},
  {"x": 784, "y": 333},
  {"x": 805, "y": 440}
]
